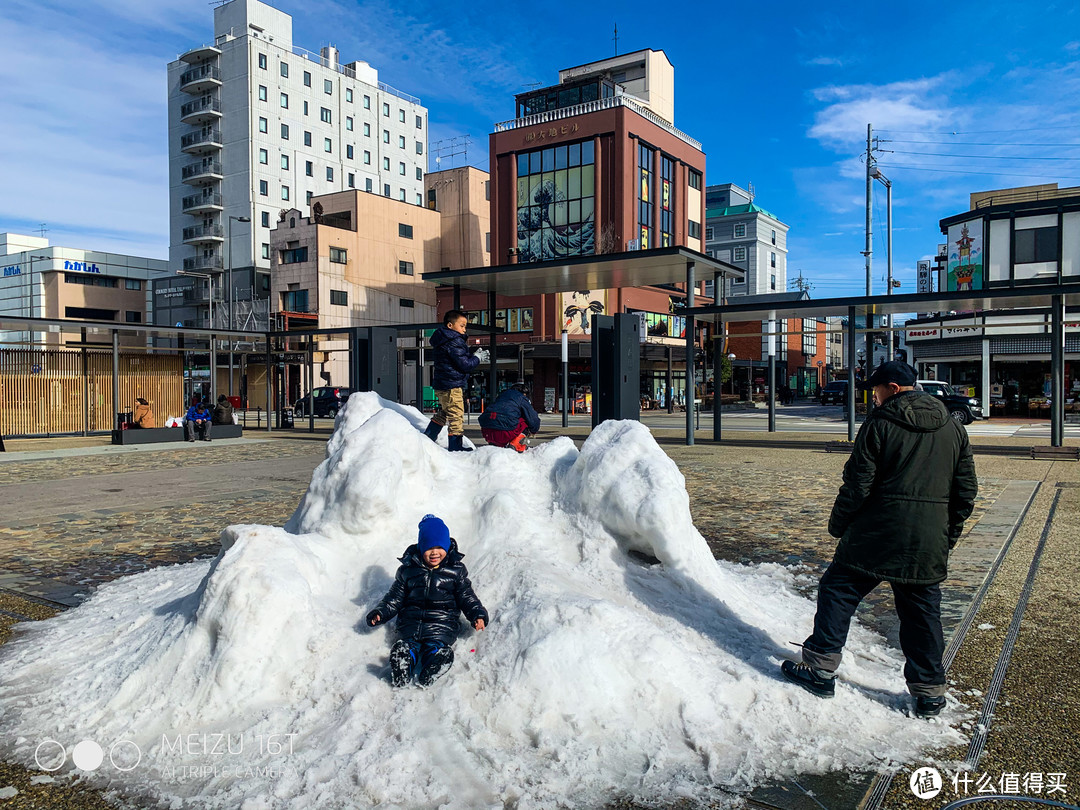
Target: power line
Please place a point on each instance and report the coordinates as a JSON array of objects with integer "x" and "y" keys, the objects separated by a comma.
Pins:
[
  {"x": 975, "y": 132},
  {"x": 980, "y": 143},
  {"x": 980, "y": 157},
  {"x": 987, "y": 174}
]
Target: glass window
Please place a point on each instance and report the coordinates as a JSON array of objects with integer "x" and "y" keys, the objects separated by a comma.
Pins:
[
  {"x": 401, "y": 116},
  {"x": 419, "y": 148},
  {"x": 285, "y": 161},
  {"x": 367, "y": 130},
  {"x": 419, "y": 173},
  {"x": 367, "y": 102},
  {"x": 285, "y": 100},
  {"x": 386, "y": 189},
  {"x": 328, "y": 87},
  {"x": 419, "y": 122},
  {"x": 367, "y": 157},
  {"x": 307, "y": 78},
  {"x": 419, "y": 197},
  {"x": 555, "y": 205},
  {"x": 352, "y": 180},
  {"x": 349, "y": 152},
  {"x": 325, "y": 115},
  {"x": 262, "y": 61},
  {"x": 348, "y": 123},
  {"x": 774, "y": 237},
  {"x": 285, "y": 69},
  {"x": 401, "y": 141},
  {"x": 264, "y": 188},
  {"x": 694, "y": 230},
  {"x": 740, "y": 254},
  {"x": 309, "y": 168},
  {"x": 262, "y": 92},
  {"x": 408, "y": 302},
  {"x": 404, "y": 231},
  {"x": 386, "y": 136},
  {"x": 263, "y": 125},
  {"x": 740, "y": 230},
  {"x": 772, "y": 260},
  {"x": 265, "y": 219},
  {"x": 386, "y": 164},
  {"x": 348, "y": 94},
  {"x": 264, "y": 157},
  {"x": 401, "y": 194},
  {"x": 367, "y": 184},
  {"x": 330, "y": 174},
  {"x": 293, "y": 256},
  {"x": 708, "y": 234},
  {"x": 284, "y": 192},
  {"x": 305, "y": 108},
  {"x": 401, "y": 169},
  {"x": 338, "y": 298},
  {"x": 285, "y": 132},
  {"x": 695, "y": 179},
  {"x": 307, "y": 138},
  {"x": 405, "y": 268},
  {"x": 265, "y": 250},
  {"x": 1036, "y": 245},
  {"x": 386, "y": 110},
  {"x": 132, "y": 284},
  {"x": 328, "y": 145}
]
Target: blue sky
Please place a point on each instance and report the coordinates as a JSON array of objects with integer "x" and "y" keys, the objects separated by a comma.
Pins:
[{"x": 970, "y": 95}]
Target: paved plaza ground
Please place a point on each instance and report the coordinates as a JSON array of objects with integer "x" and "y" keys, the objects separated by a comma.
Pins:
[{"x": 78, "y": 513}]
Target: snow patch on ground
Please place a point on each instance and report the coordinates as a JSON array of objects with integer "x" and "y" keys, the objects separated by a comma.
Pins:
[{"x": 252, "y": 681}]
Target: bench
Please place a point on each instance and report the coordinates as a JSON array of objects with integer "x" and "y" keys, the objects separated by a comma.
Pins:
[
  {"x": 173, "y": 434},
  {"x": 1049, "y": 453},
  {"x": 839, "y": 446}
]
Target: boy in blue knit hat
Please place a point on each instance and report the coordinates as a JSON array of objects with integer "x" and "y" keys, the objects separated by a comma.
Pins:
[{"x": 429, "y": 592}]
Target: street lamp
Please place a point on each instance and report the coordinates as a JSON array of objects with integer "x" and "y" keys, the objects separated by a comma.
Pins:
[
  {"x": 30, "y": 300},
  {"x": 232, "y": 296},
  {"x": 731, "y": 359},
  {"x": 875, "y": 172}
]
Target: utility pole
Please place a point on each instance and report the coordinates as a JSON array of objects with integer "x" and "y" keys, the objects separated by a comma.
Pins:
[
  {"x": 869, "y": 252},
  {"x": 801, "y": 284}
]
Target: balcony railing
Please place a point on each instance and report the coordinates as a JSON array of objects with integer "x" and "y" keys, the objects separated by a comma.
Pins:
[
  {"x": 193, "y": 170},
  {"x": 201, "y": 201},
  {"x": 200, "y": 105},
  {"x": 201, "y": 73},
  {"x": 212, "y": 138},
  {"x": 204, "y": 263},
  {"x": 596, "y": 106},
  {"x": 209, "y": 232}
]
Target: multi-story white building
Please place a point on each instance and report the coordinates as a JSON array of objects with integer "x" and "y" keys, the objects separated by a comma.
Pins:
[
  {"x": 257, "y": 126},
  {"x": 744, "y": 234}
]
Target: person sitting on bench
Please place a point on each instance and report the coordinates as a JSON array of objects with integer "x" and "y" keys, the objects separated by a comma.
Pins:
[
  {"x": 198, "y": 420},
  {"x": 143, "y": 416}
]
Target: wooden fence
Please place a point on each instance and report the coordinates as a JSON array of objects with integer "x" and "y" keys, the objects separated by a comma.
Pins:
[{"x": 57, "y": 391}]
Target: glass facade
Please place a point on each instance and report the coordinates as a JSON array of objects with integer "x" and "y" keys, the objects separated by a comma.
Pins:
[
  {"x": 556, "y": 202},
  {"x": 667, "y": 201},
  {"x": 645, "y": 200}
]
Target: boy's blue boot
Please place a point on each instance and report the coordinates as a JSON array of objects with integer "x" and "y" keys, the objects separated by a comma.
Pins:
[
  {"x": 401, "y": 664},
  {"x": 454, "y": 444},
  {"x": 436, "y": 665},
  {"x": 433, "y": 430}
]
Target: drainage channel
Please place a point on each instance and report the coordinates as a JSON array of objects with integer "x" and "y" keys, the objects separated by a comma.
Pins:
[
  {"x": 883, "y": 782},
  {"x": 37, "y": 600}
]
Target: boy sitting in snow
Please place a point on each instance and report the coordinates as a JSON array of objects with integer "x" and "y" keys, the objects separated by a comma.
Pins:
[{"x": 431, "y": 588}]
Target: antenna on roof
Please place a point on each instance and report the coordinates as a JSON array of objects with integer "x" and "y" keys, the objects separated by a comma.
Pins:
[
  {"x": 616, "y": 38},
  {"x": 42, "y": 230},
  {"x": 750, "y": 192}
]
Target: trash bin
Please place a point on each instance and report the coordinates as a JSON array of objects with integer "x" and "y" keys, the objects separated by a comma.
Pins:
[
  {"x": 123, "y": 420},
  {"x": 286, "y": 420}
]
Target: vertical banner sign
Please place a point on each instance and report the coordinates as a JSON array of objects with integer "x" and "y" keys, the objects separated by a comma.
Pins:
[
  {"x": 923, "y": 277},
  {"x": 966, "y": 256}
]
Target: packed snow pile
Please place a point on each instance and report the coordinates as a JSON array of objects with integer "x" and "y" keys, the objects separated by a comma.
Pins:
[{"x": 252, "y": 681}]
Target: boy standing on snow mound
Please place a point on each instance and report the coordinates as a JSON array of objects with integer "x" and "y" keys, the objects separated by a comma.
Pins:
[
  {"x": 429, "y": 592},
  {"x": 453, "y": 362}
]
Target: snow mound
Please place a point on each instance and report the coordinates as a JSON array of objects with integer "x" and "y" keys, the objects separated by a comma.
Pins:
[{"x": 252, "y": 681}]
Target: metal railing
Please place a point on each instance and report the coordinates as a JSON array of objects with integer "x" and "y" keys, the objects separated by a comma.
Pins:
[
  {"x": 200, "y": 105},
  {"x": 1026, "y": 196},
  {"x": 198, "y": 169},
  {"x": 596, "y": 106},
  {"x": 395, "y": 92},
  {"x": 196, "y": 138},
  {"x": 204, "y": 231},
  {"x": 204, "y": 263},
  {"x": 199, "y": 73},
  {"x": 200, "y": 201}
]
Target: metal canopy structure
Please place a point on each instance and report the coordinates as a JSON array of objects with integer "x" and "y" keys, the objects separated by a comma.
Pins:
[
  {"x": 60, "y": 325},
  {"x": 1055, "y": 297},
  {"x": 637, "y": 268}
]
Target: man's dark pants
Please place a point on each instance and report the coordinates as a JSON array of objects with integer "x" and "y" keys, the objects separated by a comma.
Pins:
[{"x": 919, "y": 607}]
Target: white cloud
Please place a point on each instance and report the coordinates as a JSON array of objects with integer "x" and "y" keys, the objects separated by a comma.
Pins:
[
  {"x": 903, "y": 105},
  {"x": 825, "y": 61}
]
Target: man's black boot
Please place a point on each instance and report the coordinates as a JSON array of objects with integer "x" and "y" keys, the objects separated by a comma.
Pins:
[
  {"x": 810, "y": 679},
  {"x": 929, "y": 706}
]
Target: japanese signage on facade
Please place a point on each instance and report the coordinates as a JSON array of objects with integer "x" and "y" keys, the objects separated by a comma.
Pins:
[{"x": 922, "y": 275}]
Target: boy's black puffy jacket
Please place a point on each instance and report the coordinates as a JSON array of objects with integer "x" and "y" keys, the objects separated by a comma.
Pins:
[
  {"x": 453, "y": 360},
  {"x": 427, "y": 600},
  {"x": 504, "y": 413}
]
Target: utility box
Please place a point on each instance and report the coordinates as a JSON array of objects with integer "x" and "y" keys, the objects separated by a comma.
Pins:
[
  {"x": 616, "y": 367},
  {"x": 374, "y": 363}
]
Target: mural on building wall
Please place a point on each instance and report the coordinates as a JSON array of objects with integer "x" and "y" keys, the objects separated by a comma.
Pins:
[
  {"x": 555, "y": 202},
  {"x": 966, "y": 256},
  {"x": 578, "y": 308}
]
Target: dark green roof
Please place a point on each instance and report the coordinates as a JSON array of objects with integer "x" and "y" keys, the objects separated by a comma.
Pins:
[{"x": 738, "y": 209}]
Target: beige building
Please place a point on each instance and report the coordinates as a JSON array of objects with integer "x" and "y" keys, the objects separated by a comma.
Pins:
[
  {"x": 40, "y": 280},
  {"x": 357, "y": 261},
  {"x": 463, "y": 199}
]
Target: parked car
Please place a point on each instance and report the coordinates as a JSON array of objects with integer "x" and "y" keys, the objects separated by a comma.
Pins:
[
  {"x": 834, "y": 392},
  {"x": 327, "y": 401},
  {"x": 962, "y": 408}
]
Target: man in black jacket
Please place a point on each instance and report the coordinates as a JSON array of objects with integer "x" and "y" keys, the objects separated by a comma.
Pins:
[
  {"x": 908, "y": 488},
  {"x": 430, "y": 591}
]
